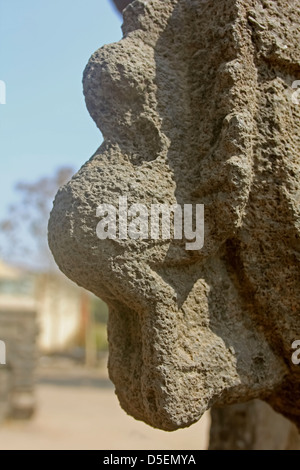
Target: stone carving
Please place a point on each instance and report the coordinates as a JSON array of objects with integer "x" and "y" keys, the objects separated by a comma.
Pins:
[
  {"x": 195, "y": 106},
  {"x": 121, "y": 4}
]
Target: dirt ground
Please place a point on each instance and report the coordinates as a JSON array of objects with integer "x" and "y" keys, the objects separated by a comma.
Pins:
[{"x": 77, "y": 409}]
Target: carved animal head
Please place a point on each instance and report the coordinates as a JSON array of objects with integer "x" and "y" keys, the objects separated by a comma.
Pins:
[{"x": 195, "y": 107}]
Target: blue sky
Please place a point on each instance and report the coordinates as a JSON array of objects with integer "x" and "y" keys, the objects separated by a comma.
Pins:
[{"x": 44, "y": 47}]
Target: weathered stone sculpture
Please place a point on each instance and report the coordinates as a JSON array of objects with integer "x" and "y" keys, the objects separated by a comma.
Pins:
[{"x": 195, "y": 108}]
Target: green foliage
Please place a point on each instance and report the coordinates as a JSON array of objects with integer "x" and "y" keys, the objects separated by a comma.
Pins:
[
  {"x": 99, "y": 310},
  {"x": 99, "y": 333}
]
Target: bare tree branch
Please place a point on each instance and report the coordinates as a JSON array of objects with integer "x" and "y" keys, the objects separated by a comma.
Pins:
[{"x": 24, "y": 230}]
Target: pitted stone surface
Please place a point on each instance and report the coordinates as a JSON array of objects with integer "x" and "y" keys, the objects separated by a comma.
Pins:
[{"x": 195, "y": 106}]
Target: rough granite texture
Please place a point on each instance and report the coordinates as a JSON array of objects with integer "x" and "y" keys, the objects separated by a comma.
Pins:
[{"x": 195, "y": 106}]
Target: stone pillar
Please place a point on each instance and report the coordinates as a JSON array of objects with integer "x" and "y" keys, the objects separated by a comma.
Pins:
[
  {"x": 18, "y": 329},
  {"x": 251, "y": 426}
]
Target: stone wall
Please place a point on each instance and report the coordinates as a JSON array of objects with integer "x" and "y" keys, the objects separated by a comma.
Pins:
[{"x": 18, "y": 330}]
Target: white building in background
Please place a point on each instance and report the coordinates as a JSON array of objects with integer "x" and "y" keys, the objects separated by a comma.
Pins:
[
  {"x": 61, "y": 307},
  {"x": 61, "y": 312}
]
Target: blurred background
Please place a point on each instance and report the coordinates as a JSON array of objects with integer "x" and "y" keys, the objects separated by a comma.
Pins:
[{"x": 54, "y": 388}]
